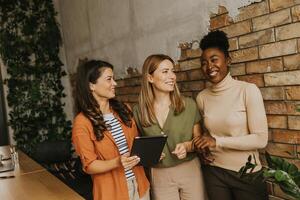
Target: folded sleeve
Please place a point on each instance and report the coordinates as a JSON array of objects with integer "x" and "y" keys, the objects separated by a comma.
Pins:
[
  {"x": 83, "y": 143},
  {"x": 256, "y": 121}
]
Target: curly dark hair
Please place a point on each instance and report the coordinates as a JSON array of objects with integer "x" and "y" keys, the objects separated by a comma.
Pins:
[
  {"x": 87, "y": 73},
  {"x": 215, "y": 39}
]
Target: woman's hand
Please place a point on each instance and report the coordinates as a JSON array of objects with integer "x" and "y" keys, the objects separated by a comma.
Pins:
[
  {"x": 201, "y": 145},
  {"x": 180, "y": 151},
  {"x": 201, "y": 142},
  {"x": 129, "y": 162}
]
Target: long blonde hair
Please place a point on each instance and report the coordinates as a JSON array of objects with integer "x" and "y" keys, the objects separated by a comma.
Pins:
[{"x": 146, "y": 97}]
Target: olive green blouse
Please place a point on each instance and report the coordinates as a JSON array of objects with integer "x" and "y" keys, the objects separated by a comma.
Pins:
[{"x": 179, "y": 128}]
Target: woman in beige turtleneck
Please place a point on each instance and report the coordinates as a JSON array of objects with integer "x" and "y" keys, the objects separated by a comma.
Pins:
[{"x": 235, "y": 120}]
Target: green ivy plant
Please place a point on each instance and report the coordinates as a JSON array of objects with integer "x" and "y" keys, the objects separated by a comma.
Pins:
[
  {"x": 278, "y": 171},
  {"x": 29, "y": 46}
]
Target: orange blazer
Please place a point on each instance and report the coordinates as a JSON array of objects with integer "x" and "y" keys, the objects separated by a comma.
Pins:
[{"x": 111, "y": 185}]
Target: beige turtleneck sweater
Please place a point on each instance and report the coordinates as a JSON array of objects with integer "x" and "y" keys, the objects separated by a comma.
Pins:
[{"x": 234, "y": 114}]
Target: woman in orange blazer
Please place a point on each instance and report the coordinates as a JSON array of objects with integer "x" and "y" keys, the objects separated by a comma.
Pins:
[{"x": 103, "y": 133}]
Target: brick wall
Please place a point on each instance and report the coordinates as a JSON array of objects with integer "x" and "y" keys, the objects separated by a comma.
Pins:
[{"x": 265, "y": 50}]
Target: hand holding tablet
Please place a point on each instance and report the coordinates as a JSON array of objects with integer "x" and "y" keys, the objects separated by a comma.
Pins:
[
  {"x": 129, "y": 162},
  {"x": 148, "y": 149}
]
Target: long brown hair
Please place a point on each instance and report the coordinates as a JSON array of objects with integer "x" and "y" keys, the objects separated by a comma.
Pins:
[
  {"x": 146, "y": 97},
  {"x": 85, "y": 102}
]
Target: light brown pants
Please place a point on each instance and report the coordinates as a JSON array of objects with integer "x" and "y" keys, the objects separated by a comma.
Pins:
[
  {"x": 133, "y": 191},
  {"x": 182, "y": 182}
]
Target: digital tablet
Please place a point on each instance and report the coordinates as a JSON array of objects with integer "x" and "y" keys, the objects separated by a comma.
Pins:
[{"x": 149, "y": 149}]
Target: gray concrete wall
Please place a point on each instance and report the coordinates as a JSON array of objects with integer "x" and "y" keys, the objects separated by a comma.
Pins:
[{"x": 125, "y": 32}]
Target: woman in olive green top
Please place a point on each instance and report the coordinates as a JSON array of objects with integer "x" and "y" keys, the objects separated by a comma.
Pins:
[{"x": 161, "y": 110}]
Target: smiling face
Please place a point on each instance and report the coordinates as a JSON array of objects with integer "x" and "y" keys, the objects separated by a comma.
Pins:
[
  {"x": 104, "y": 88},
  {"x": 214, "y": 64},
  {"x": 163, "y": 78}
]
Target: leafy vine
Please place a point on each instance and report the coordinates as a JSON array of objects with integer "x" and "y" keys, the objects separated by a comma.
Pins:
[{"x": 29, "y": 47}]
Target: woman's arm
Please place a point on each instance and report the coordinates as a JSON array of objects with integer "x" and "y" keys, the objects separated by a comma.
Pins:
[
  {"x": 189, "y": 146},
  {"x": 248, "y": 142},
  {"x": 183, "y": 148},
  {"x": 101, "y": 166}
]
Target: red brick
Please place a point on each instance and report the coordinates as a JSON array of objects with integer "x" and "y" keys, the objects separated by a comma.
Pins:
[
  {"x": 294, "y": 123},
  {"x": 274, "y": 19},
  {"x": 177, "y": 67},
  {"x": 273, "y": 93},
  {"x": 282, "y": 150},
  {"x": 279, "y": 4},
  {"x": 277, "y": 121},
  {"x": 128, "y": 90},
  {"x": 276, "y": 107},
  {"x": 195, "y": 74},
  {"x": 257, "y": 38},
  {"x": 233, "y": 44},
  {"x": 129, "y": 82},
  {"x": 288, "y": 31},
  {"x": 253, "y": 10},
  {"x": 296, "y": 13},
  {"x": 282, "y": 78},
  {"x": 181, "y": 76},
  {"x": 190, "y": 64},
  {"x": 121, "y": 83},
  {"x": 291, "y": 107},
  {"x": 263, "y": 66},
  {"x": 291, "y": 62},
  {"x": 286, "y": 136},
  {"x": 237, "y": 29},
  {"x": 270, "y": 139},
  {"x": 244, "y": 55},
  {"x": 220, "y": 21},
  {"x": 292, "y": 93},
  {"x": 193, "y": 53},
  {"x": 128, "y": 98},
  {"x": 278, "y": 49},
  {"x": 191, "y": 86},
  {"x": 257, "y": 79},
  {"x": 238, "y": 69}
]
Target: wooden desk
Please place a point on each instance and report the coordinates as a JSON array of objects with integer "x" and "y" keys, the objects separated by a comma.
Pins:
[{"x": 32, "y": 181}]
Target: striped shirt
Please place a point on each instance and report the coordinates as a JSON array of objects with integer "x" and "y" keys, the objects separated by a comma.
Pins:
[{"x": 119, "y": 137}]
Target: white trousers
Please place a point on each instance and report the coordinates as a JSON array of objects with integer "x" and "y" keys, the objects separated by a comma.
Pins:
[{"x": 133, "y": 191}]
